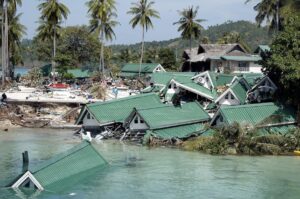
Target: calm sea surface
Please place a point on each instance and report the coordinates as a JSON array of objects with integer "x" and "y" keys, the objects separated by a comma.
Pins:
[{"x": 140, "y": 172}]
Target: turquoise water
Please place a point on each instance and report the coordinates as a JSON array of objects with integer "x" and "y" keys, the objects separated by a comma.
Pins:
[{"x": 140, "y": 172}]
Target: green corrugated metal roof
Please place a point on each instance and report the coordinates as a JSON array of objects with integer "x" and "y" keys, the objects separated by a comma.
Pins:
[
  {"x": 178, "y": 131},
  {"x": 240, "y": 91},
  {"x": 77, "y": 160},
  {"x": 253, "y": 58},
  {"x": 167, "y": 116},
  {"x": 251, "y": 78},
  {"x": 194, "y": 87},
  {"x": 255, "y": 114},
  {"x": 145, "y": 68},
  {"x": 219, "y": 79},
  {"x": 165, "y": 78},
  {"x": 79, "y": 73},
  {"x": 118, "y": 110},
  {"x": 153, "y": 89}
]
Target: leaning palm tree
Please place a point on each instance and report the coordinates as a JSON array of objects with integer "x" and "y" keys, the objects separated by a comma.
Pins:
[
  {"x": 102, "y": 13},
  {"x": 53, "y": 12},
  {"x": 189, "y": 26},
  {"x": 142, "y": 12}
]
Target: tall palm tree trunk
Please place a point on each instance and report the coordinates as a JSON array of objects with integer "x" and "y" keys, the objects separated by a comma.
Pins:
[
  {"x": 5, "y": 44},
  {"x": 190, "y": 64},
  {"x": 54, "y": 53},
  {"x": 2, "y": 47},
  {"x": 101, "y": 60},
  {"x": 277, "y": 15},
  {"x": 142, "y": 53}
]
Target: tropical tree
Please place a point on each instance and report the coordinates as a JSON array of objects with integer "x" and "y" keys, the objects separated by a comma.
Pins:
[
  {"x": 189, "y": 26},
  {"x": 274, "y": 12},
  {"x": 6, "y": 6},
  {"x": 142, "y": 12},
  {"x": 282, "y": 63},
  {"x": 233, "y": 37},
  {"x": 52, "y": 14},
  {"x": 102, "y": 14}
]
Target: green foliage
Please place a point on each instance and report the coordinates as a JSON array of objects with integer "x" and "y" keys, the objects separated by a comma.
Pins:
[
  {"x": 35, "y": 76},
  {"x": 167, "y": 58},
  {"x": 233, "y": 37},
  {"x": 142, "y": 12},
  {"x": 76, "y": 43},
  {"x": 282, "y": 64},
  {"x": 189, "y": 26}
]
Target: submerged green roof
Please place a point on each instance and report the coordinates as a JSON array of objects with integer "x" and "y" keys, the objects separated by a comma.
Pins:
[
  {"x": 119, "y": 109},
  {"x": 169, "y": 116},
  {"x": 257, "y": 114},
  {"x": 79, "y": 73},
  {"x": 67, "y": 166},
  {"x": 145, "y": 67},
  {"x": 277, "y": 130}
]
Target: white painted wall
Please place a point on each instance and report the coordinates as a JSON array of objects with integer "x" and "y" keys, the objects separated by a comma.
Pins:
[
  {"x": 89, "y": 121},
  {"x": 230, "y": 101},
  {"x": 159, "y": 69},
  {"x": 136, "y": 124},
  {"x": 255, "y": 68},
  {"x": 173, "y": 89},
  {"x": 204, "y": 81}
]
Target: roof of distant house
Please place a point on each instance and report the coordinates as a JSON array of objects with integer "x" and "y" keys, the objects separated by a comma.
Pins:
[{"x": 79, "y": 73}]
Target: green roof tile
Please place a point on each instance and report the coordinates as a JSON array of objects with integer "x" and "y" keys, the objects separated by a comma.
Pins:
[
  {"x": 118, "y": 110},
  {"x": 257, "y": 114}
]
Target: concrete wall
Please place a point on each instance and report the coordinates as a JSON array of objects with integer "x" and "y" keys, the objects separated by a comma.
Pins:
[{"x": 233, "y": 67}]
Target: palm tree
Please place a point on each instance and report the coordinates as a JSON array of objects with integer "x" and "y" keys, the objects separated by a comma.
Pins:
[
  {"x": 52, "y": 13},
  {"x": 142, "y": 12},
  {"x": 102, "y": 13},
  {"x": 274, "y": 12},
  {"x": 189, "y": 26},
  {"x": 12, "y": 32},
  {"x": 5, "y": 5}
]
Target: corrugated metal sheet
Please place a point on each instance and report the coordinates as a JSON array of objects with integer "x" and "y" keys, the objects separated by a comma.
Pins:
[
  {"x": 240, "y": 91},
  {"x": 255, "y": 114},
  {"x": 178, "y": 132},
  {"x": 253, "y": 58},
  {"x": 118, "y": 110},
  {"x": 75, "y": 161},
  {"x": 145, "y": 67},
  {"x": 167, "y": 116}
]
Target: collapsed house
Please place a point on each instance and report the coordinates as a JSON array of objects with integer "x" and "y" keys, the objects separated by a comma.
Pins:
[
  {"x": 266, "y": 117},
  {"x": 131, "y": 71},
  {"x": 62, "y": 170},
  {"x": 168, "y": 121},
  {"x": 111, "y": 114},
  {"x": 229, "y": 58}
]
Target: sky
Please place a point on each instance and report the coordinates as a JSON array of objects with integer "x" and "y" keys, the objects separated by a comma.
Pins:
[{"x": 213, "y": 11}]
